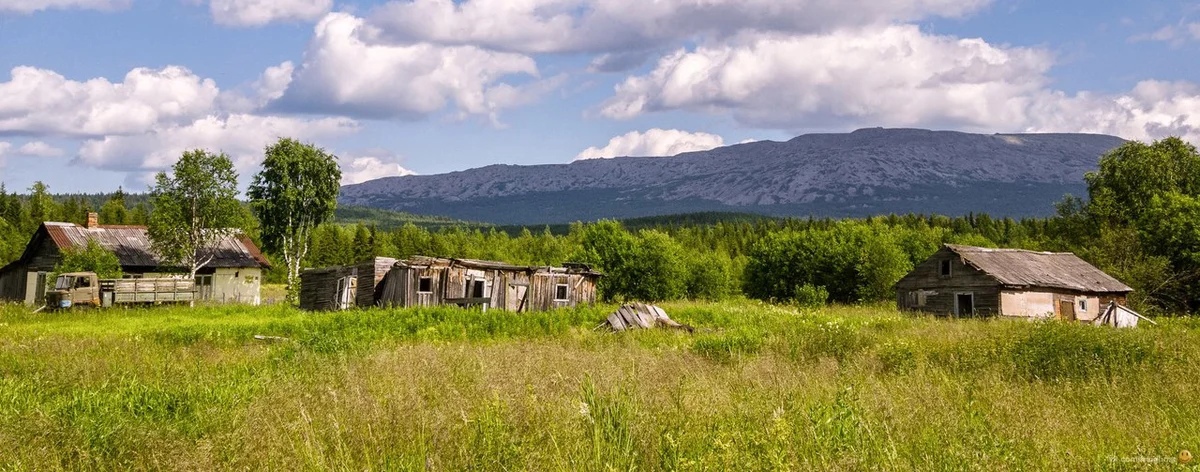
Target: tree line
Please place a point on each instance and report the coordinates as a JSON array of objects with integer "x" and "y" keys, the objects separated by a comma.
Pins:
[{"x": 1140, "y": 222}]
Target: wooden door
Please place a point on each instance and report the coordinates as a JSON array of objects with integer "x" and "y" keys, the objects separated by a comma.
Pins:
[{"x": 1066, "y": 310}]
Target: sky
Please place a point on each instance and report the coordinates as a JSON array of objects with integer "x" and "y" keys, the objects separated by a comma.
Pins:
[{"x": 100, "y": 94}]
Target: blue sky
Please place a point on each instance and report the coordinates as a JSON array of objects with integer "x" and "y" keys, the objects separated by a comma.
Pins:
[{"x": 96, "y": 94}]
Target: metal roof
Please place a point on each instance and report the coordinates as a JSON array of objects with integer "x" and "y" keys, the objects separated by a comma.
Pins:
[
  {"x": 1023, "y": 268},
  {"x": 131, "y": 244}
]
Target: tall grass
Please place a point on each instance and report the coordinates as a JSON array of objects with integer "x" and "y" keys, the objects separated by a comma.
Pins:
[{"x": 756, "y": 387}]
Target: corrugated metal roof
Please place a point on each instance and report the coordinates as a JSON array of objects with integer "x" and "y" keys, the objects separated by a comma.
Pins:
[
  {"x": 131, "y": 244},
  {"x": 1023, "y": 268}
]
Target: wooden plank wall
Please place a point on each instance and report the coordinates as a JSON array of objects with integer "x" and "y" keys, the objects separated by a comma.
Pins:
[
  {"x": 507, "y": 290},
  {"x": 318, "y": 287},
  {"x": 13, "y": 284}
]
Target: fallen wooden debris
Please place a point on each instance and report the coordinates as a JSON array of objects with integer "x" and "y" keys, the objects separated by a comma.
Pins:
[
  {"x": 263, "y": 337},
  {"x": 641, "y": 316}
]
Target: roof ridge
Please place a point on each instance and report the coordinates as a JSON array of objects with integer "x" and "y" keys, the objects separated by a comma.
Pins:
[{"x": 958, "y": 247}]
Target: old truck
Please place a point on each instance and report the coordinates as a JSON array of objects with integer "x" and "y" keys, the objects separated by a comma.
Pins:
[{"x": 85, "y": 288}]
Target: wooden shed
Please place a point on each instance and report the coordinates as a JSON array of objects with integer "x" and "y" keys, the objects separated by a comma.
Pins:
[
  {"x": 975, "y": 281},
  {"x": 343, "y": 287},
  {"x": 429, "y": 281}
]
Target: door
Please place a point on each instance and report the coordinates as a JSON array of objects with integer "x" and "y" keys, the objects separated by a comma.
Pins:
[
  {"x": 39, "y": 291},
  {"x": 964, "y": 304},
  {"x": 515, "y": 298},
  {"x": 1066, "y": 310},
  {"x": 345, "y": 289}
]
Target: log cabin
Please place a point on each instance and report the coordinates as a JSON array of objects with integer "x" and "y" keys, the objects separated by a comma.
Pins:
[
  {"x": 234, "y": 275},
  {"x": 975, "y": 281}
]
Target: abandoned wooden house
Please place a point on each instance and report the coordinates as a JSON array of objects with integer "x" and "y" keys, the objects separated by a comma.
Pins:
[
  {"x": 234, "y": 275},
  {"x": 974, "y": 281},
  {"x": 343, "y": 287},
  {"x": 431, "y": 281}
]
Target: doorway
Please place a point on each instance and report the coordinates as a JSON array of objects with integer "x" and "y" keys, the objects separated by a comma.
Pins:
[
  {"x": 1066, "y": 310},
  {"x": 964, "y": 304}
]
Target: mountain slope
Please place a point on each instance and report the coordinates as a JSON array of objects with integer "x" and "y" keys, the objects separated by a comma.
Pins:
[{"x": 865, "y": 172}]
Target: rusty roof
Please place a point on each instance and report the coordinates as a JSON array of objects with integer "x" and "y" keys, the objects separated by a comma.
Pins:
[
  {"x": 1023, "y": 268},
  {"x": 131, "y": 244}
]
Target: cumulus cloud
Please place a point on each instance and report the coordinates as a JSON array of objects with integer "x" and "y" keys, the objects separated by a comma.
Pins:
[
  {"x": 894, "y": 74},
  {"x": 31, "y": 6},
  {"x": 42, "y": 102},
  {"x": 344, "y": 74},
  {"x": 241, "y": 136},
  {"x": 538, "y": 26},
  {"x": 653, "y": 142},
  {"x": 375, "y": 165},
  {"x": 1151, "y": 110},
  {"x": 260, "y": 12},
  {"x": 39, "y": 149}
]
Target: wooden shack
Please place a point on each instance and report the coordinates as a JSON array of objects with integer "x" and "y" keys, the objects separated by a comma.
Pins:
[
  {"x": 233, "y": 275},
  {"x": 975, "y": 281},
  {"x": 429, "y": 281},
  {"x": 343, "y": 287}
]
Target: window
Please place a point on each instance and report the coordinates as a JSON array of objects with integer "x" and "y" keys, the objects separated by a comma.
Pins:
[
  {"x": 425, "y": 285},
  {"x": 1083, "y": 304},
  {"x": 477, "y": 288},
  {"x": 83, "y": 282},
  {"x": 916, "y": 298},
  {"x": 560, "y": 292},
  {"x": 946, "y": 268}
]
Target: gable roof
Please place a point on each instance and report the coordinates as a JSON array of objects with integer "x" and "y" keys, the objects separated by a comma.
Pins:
[
  {"x": 131, "y": 244},
  {"x": 1023, "y": 268}
]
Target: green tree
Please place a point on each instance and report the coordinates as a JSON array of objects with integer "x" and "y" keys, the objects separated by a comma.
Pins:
[
  {"x": 41, "y": 204},
  {"x": 195, "y": 208},
  {"x": 92, "y": 257},
  {"x": 294, "y": 193},
  {"x": 114, "y": 212}
]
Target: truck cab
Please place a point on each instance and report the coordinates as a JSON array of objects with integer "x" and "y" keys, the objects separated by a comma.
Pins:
[{"x": 74, "y": 288}]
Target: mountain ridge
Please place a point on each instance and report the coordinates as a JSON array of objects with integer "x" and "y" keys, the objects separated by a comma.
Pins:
[{"x": 864, "y": 172}]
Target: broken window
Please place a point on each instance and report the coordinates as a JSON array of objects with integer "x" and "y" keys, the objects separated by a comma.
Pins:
[
  {"x": 1083, "y": 304},
  {"x": 477, "y": 288},
  {"x": 560, "y": 292},
  {"x": 946, "y": 268},
  {"x": 425, "y": 285}
]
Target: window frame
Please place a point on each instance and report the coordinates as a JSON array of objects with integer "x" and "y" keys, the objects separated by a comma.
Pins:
[
  {"x": 427, "y": 281},
  {"x": 566, "y": 290}
]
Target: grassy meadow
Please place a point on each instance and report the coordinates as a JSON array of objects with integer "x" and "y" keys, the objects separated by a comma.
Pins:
[{"x": 755, "y": 387}]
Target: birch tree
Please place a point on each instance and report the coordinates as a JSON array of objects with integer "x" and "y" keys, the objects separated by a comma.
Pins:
[
  {"x": 195, "y": 208},
  {"x": 295, "y": 192}
]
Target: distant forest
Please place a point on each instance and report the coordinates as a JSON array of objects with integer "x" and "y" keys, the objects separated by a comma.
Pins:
[{"x": 1141, "y": 224}]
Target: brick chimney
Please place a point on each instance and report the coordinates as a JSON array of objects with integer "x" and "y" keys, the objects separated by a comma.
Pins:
[{"x": 93, "y": 220}]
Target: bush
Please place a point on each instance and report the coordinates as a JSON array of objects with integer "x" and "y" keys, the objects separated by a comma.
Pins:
[
  {"x": 90, "y": 258},
  {"x": 809, "y": 296}
]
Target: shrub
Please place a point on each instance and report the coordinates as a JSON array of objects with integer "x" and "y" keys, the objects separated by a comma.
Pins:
[{"x": 810, "y": 296}]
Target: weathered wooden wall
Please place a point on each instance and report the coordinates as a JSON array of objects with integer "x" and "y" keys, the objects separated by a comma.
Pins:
[
  {"x": 940, "y": 291},
  {"x": 511, "y": 290},
  {"x": 319, "y": 287}
]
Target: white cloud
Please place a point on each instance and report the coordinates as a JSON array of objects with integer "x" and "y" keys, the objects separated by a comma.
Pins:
[
  {"x": 1175, "y": 35},
  {"x": 654, "y": 142},
  {"x": 1151, "y": 110},
  {"x": 31, "y": 6},
  {"x": 39, "y": 101},
  {"x": 39, "y": 149},
  {"x": 261, "y": 12},
  {"x": 4, "y": 147},
  {"x": 241, "y": 136},
  {"x": 381, "y": 164},
  {"x": 536, "y": 26},
  {"x": 343, "y": 74},
  {"x": 895, "y": 75}
]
